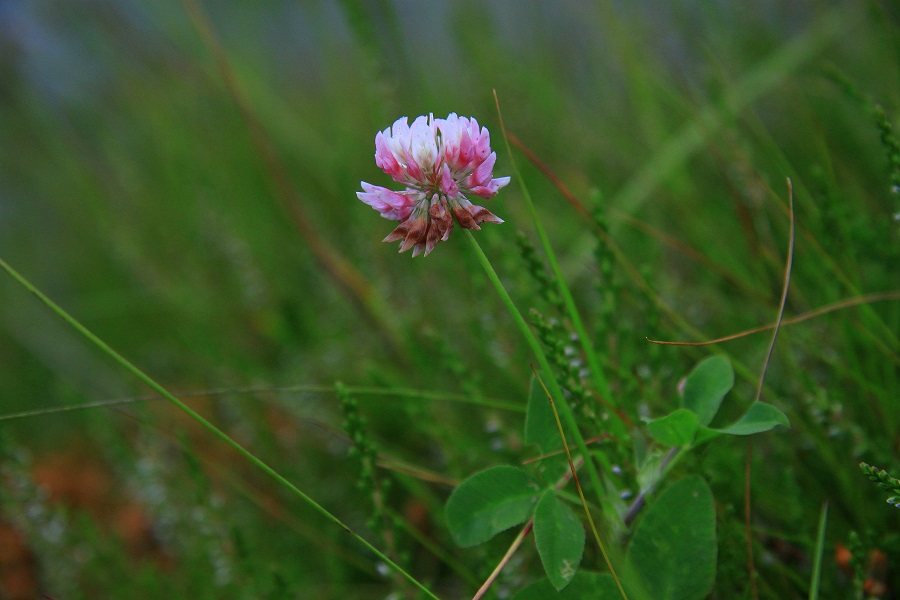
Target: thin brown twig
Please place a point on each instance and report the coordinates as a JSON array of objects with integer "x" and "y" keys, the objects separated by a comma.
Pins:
[
  {"x": 784, "y": 291},
  {"x": 846, "y": 303},
  {"x": 789, "y": 259},
  {"x": 392, "y": 464},
  {"x": 595, "y": 439},
  {"x": 505, "y": 560}
]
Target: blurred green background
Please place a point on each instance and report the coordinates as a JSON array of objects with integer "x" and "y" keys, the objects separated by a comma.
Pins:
[{"x": 181, "y": 177}]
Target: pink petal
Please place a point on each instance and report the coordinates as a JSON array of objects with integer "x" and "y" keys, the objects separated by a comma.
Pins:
[
  {"x": 466, "y": 151},
  {"x": 451, "y": 150},
  {"x": 490, "y": 190},
  {"x": 385, "y": 159},
  {"x": 400, "y": 128},
  {"x": 448, "y": 186},
  {"x": 482, "y": 174},
  {"x": 413, "y": 169},
  {"x": 482, "y": 145},
  {"x": 392, "y": 205}
]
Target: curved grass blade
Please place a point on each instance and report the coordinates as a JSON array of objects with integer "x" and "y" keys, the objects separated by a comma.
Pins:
[
  {"x": 817, "y": 559},
  {"x": 159, "y": 389}
]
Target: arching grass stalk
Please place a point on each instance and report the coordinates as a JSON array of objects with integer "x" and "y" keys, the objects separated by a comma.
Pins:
[
  {"x": 819, "y": 550},
  {"x": 596, "y": 370},
  {"x": 555, "y": 389},
  {"x": 362, "y": 391},
  {"x": 130, "y": 367}
]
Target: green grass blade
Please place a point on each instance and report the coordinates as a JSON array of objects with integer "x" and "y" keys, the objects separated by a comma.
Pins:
[
  {"x": 817, "y": 558},
  {"x": 363, "y": 391}
]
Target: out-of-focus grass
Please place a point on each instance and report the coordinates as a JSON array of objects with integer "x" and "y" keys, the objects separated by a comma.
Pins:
[{"x": 133, "y": 193}]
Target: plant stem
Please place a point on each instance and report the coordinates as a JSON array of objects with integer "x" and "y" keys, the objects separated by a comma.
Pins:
[
  {"x": 127, "y": 365},
  {"x": 668, "y": 461},
  {"x": 555, "y": 389}
]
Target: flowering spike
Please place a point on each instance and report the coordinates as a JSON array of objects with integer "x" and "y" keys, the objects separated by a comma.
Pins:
[{"x": 441, "y": 162}]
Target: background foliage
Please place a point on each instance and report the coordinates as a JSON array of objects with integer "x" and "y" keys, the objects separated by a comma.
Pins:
[{"x": 181, "y": 177}]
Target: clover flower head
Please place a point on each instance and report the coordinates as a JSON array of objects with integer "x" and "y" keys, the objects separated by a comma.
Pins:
[{"x": 442, "y": 162}]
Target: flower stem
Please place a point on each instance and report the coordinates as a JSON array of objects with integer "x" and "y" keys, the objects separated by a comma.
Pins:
[
  {"x": 159, "y": 389},
  {"x": 555, "y": 389}
]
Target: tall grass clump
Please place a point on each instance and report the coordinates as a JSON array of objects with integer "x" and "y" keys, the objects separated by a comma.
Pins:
[{"x": 647, "y": 347}]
